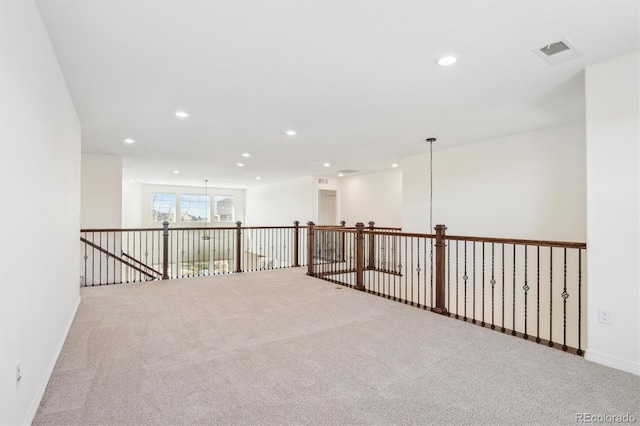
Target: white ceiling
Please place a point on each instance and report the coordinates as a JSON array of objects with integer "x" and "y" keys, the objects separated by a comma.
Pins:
[{"x": 357, "y": 80}]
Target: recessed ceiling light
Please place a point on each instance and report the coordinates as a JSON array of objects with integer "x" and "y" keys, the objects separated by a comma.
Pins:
[
  {"x": 290, "y": 132},
  {"x": 246, "y": 154},
  {"x": 258, "y": 178},
  {"x": 340, "y": 174},
  {"x": 327, "y": 164},
  {"x": 240, "y": 164},
  {"x": 182, "y": 114},
  {"x": 447, "y": 60},
  {"x": 129, "y": 140},
  {"x": 176, "y": 171},
  {"x": 394, "y": 165}
]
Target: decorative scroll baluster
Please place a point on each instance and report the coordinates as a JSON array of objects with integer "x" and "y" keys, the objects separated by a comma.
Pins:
[
  {"x": 465, "y": 277},
  {"x": 565, "y": 296},
  {"x": 493, "y": 285},
  {"x": 418, "y": 286},
  {"x": 526, "y": 292}
]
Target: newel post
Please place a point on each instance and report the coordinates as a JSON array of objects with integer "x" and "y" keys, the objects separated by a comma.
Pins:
[
  {"x": 310, "y": 246},
  {"x": 372, "y": 248},
  {"x": 165, "y": 250},
  {"x": 238, "y": 246},
  {"x": 296, "y": 243},
  {"x": 359, "y": 256},
  {"x": 440, "y": 307}
]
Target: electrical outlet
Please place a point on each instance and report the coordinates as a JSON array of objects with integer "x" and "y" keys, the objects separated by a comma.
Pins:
[
  {"x": 604, "y": 316},
  {"x": 18, "y": 375}
]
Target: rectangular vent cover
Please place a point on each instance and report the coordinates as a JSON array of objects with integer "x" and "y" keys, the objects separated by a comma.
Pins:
[
  {"x": 322, "y": 180},
  {"x": 554, "y": 48},
  {"x": 558, "y": 52},
  {"x": 347, "y": 171}
]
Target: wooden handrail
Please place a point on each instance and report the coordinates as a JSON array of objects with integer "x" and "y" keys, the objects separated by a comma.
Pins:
[
  {"x": 541, "y": 243},
  {"x": 198, "y": 228},
  {"x": 144, "y": 265},
  {"x": 115, "y": 256}
]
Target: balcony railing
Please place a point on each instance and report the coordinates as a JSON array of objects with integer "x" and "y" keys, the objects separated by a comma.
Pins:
[
  {"x": 533, "y": 289},
  {"x": 114, "y": 256},
  {"x": 527, "y": 288}
]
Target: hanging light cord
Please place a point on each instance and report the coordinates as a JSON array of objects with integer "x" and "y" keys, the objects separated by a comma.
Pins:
[{"x": 431, "y": 141}]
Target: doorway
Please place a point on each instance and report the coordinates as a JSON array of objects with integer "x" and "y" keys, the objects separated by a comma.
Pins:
[{"x": 327, "y": 207}]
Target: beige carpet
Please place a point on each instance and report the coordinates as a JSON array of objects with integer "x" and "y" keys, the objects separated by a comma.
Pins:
[{"x": 279, "y": 347}]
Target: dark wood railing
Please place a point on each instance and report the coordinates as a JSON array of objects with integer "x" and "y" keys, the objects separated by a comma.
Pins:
[{"x": 529, "y": 288}]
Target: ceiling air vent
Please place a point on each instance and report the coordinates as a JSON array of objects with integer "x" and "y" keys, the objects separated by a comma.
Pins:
[
  {"x": 347, "y": 171},
  {"x": 557, "y": 52}
]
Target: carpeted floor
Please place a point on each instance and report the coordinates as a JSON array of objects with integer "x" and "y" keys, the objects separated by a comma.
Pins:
[{"x": 278, "y": 347}]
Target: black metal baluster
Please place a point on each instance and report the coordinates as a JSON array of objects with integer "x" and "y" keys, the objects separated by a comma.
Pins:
[
  {"x": 146, "y": 248},
  {"x": 513, "y": 331},
  {"x": 457, "y": 282},
  {"x": 100, "y": 264},
  {"x": 465, "y": 277},
  {"x": 579, "y": 351},
  {"x": 473, "y": 321},
  {"x": 127, "y": 272},
  {"x": 550, "y": 297},
  {"x": 449, "y": 279},
  {"x": 111, "y": 258},
  {"x": 482, "y": 323},
  {"x": 503, "y": 329},
  {"x": 418, "y": 286},
  {"x": 182, "y": 254},
  {"x": 85, "y": 261},
  {"x": 538, "y": 295},
  {"x": 493, "y": 286},
  {"x": 93, "y": 260},
  {"x": 526, "y": 293},
  {"x": 565, "y": 296},
  {"x": 431, "y": 272}
]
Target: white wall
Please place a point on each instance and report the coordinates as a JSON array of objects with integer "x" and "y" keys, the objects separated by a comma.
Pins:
[
  {"x": 40, "y": 184},
  {"x": 281, "y": 204},
  {"x": 101, "y": 191},
  {"x": 372, "y": 196},
  {"x": 131, "y": 205},
  {"x": 145, "y": 203},
  {"x": 613, "y": 197},
  {"x": 530, "y": 185}
]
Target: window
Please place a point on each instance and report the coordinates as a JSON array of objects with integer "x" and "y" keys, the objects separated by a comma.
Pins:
[
  {"x": 163, "y": 207},
  {"x": 194, "y": 208},
  {"x": 223, "y": 208}
]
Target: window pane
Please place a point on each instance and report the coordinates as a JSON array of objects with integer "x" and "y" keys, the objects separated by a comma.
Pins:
[
  {"x": 194, "y": 208},
  {"x": 223, "y": 209},
  {"x": 163, "y": 207}
]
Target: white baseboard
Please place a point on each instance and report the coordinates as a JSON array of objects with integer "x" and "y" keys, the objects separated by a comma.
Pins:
[
  {"x": 31, "y": 414},
  {"x": 613, "y": 362}
]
